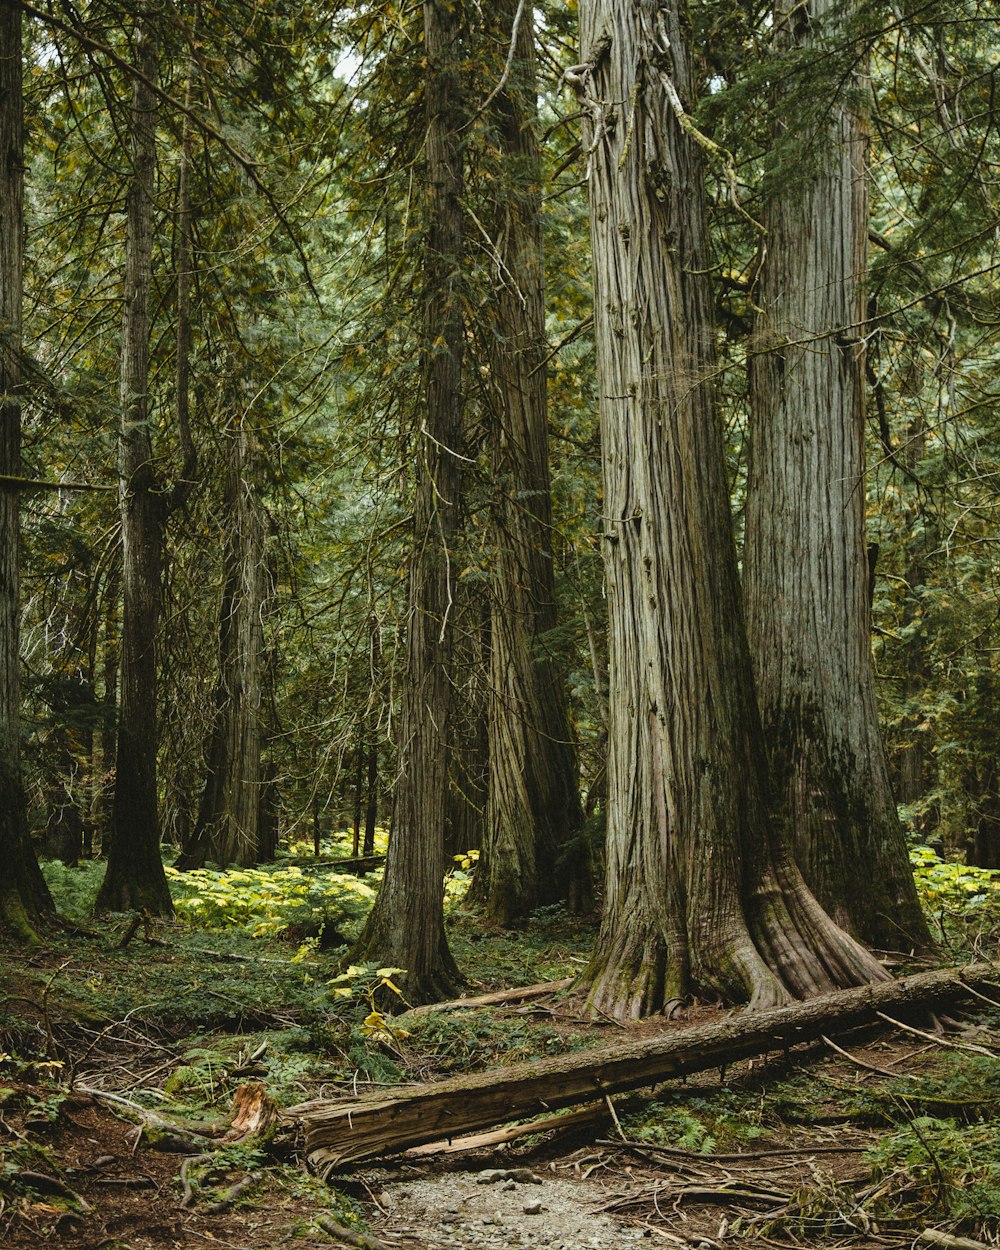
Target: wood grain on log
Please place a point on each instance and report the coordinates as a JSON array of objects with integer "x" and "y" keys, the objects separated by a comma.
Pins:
[{"x": 343, "y": 1132}]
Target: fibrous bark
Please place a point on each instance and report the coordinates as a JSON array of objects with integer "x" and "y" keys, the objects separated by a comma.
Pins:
[
  {"x": 135, "y": 876},
  {"x": 806, "y": 563},
  {"x": 702, "y": 892},
  {"x": 406, "y": 926},
  {"x": 24, "y": 896},
  {"x": 534, "y": 815}
]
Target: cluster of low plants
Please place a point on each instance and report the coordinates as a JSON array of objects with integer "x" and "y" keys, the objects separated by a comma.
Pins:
[
  {"x": 931, "y": 1162},
  {"x": 469, "y": 1040},
  {"x": 699, "y": 1121},
  {"x": 266, "y": 901},
  {"x": 552, "y": 946},
  {"x": 269, "y": 900},
  {"x": 961, "y": 901}
]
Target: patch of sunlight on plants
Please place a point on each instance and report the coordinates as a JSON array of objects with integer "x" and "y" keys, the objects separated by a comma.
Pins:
[
  {"x": 458, "y": 880},
  {"x": 269, "y": 900},
  {"x": 958, "y": 899},
  {"x": 336, "y": 845}
]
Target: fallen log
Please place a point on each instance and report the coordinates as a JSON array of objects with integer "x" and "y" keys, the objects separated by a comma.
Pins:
[{"x": 338, "y": 1133}]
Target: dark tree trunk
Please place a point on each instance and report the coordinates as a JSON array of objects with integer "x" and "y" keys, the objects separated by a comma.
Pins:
[
  {"x": 807, "y": 574},
  {"x": 406, "y": 926},
  {"x": 702, "y": 893},
  {"x": 534, "y": 814},
  {"x": 915, "y": 765},
  {"x": 359, "y": 799},
  {"x": 135, "y": 876},
  {"x": 371, "y": 803},
  {"x": 468, "y": 750},
  {"x": 110, "y": 664},
  {"x": 24, "y": 896},
  {"x": 226, "y": 830},
  {"x": 268, "y": 826}
]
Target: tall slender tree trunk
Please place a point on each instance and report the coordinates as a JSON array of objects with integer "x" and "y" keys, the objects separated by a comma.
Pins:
[
  {"x": 135, "y": 876},
  {"x": 24, "y": 896},
  {"x": 406, "y": 925},
  {"x": 702, "y": 892},
  {"x": 534, "y": 813},
  {"x": 226, "y": 830},
  {"x": 807, "y": 576},
  {"x": 914, "y": 769}
]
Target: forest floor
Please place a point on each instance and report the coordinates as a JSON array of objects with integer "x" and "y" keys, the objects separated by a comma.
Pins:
[{"x": 118, "y": 1067}]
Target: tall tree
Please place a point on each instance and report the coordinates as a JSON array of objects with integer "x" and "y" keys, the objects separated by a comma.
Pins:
[
  {"x": 406, "y": 925},
  {"x": 806, "y": 561},
  {"x": 135, "y": 876},
  {"x": 702, "y": 890},
  {"x": 534, "y": 812},
  {"x": 24, "y": 896},
  {"x": 227, "y": 826}
]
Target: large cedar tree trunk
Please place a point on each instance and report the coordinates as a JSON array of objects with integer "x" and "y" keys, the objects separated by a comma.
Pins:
[
  {"x": 807, "y": 576},
  {"x": 702, "y": 894},
  {"x": 534, "y": 815},
  {"x": 24, "y": 896},
  {"x": 135, "y": 876},
  {"x": 406, "y": 926}
]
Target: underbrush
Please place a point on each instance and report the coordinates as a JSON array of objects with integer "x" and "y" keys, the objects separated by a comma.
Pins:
[
  {"x": 242, "y": 987},
  {"x": 961, "y": 902}
]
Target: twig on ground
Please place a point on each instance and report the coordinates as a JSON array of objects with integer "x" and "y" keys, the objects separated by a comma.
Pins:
[
  {"x": 43, "y": 1183},
  {"x": 976, "y": 994},
  {"x": 364, "y": 1241},
  {"x": 190, "y": 1162},
  {"x": 216, "y": 1241},
  {"x": 233, "y": 1194},
  {"x": 970, "y": 1047},
  {"x": 932, "y": 1237},
  {"x": 738, "y": 1158},
  {"x": 868, "y": 1067}
]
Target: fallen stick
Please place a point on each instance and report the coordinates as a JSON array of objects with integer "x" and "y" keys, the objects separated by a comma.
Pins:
[
  {"x": 519, "y": 994},
  {"x": 338, "y": 1133},
  {"x": 931, "y": 1237},
  {"x": 364, "y": 1241},
  {"x": 594, "y": 1113}
]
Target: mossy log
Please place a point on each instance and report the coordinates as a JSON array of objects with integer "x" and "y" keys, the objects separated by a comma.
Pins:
[{"x": 343, "y": 1132}]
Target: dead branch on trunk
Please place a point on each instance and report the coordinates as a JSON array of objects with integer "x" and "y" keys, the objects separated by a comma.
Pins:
[{"x": 344, "y": 1132}]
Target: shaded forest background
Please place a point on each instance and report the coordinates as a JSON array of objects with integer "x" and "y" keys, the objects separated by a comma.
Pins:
[{"x": 285, "y": 402}]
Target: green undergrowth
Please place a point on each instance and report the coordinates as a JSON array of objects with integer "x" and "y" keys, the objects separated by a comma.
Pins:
[
  {"x": 469, "y": 1041},
  {"x": 929, "y": 1138},
  {"x": 701, "y": 1121},
  {"x": 961, "y": 902},
  {"x": 553, "y": 945}
]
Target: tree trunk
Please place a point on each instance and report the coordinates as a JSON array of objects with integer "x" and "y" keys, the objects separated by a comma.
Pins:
[
  {"x": 702, "y": 893},
  {"x": 468, "y": 748},
  {"x": 806, "y": 557},
  {"x": 135, "y": 876},
  {"x": 406, "y": 926},
  {"x": 534, "y": 813},
  {"x": 24, "y": 896},
  {"x": 915, "y": 765},
  {"x": 226, "y": 830}
]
